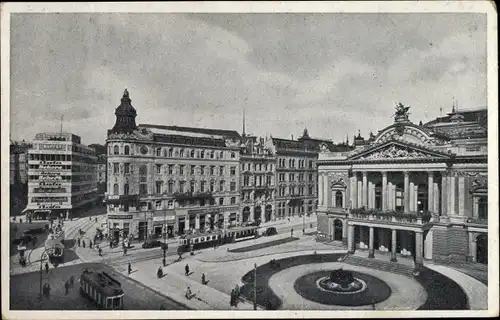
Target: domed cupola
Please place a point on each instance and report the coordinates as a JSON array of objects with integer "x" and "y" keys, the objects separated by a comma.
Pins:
[{"x": 125, "y": 115}]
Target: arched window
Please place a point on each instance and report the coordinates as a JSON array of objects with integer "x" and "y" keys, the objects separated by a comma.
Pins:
[
  {"x": 115, "y": 189},
  {"x": 221, "y": 155},
  {"x": 158, "y": 152},
  {"x": 171, "y": 152},
  {"x": 181, "y": 153},
  {"x": 125, "y": 188},
  {"x": 192, "y": 153},
  {"x": 109, "y": 150},
  {"x": 127, "y": 150},
  {"x": 202, "y": 154},
  {"x": 339, "y": 199},
  {"x": 212, "y": 154},
  {"x": 116, "y": 150}
]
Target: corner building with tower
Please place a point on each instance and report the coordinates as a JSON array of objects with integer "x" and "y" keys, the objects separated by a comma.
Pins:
[
  {"x": 411, "y": 191},
  {"x": 166, "y": 180}
]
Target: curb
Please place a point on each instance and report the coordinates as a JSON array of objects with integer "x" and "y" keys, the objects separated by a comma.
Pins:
[{"x": 311, "y": 251}]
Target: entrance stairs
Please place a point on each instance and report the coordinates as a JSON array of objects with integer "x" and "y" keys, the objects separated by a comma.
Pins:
[{"x": 382, "y": 265}]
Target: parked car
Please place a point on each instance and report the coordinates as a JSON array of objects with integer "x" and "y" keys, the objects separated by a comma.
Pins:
[
  {"x": 152, "y": 244},
  {"x": 34, "y": 231},
  {"x": 271, "y": 231}
]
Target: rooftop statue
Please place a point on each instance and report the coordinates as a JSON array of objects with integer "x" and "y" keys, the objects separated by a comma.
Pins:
[{"x": 402, "y": 112}]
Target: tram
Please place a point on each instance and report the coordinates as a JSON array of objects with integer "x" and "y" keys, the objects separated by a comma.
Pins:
[
  {"x": 102, "y": 289},
  {"x": 55, "y": 247},
  {"x": 219, "y": 237}
]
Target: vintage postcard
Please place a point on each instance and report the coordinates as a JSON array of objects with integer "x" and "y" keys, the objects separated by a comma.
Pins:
[{"x": 249, "y": 159}]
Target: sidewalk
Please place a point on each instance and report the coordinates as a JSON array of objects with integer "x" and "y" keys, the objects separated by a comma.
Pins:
[{"x": 175, "y": 285}]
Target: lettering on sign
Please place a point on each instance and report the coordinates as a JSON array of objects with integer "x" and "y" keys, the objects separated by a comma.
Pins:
[
  {"x": 114, "y": 216},
  {"x": 52, "y": 146}
]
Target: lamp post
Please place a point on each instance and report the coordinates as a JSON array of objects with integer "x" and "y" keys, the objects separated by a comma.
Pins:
[
  {"x": 255, "y": 287},
  {"x": 44, "y": 253},
  {"x": 303, "y": 224}
]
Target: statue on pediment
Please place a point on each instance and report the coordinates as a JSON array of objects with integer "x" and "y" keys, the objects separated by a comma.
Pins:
[
  {"x": 402, "y": 111},
  {"x": 394, "y": 152},
  {"x": 323, "y": 148}
]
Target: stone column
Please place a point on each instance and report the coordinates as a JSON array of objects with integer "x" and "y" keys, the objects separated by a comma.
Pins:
[
  {"x": 326, "y": 194},
  {"x": 371, "y": 253},
  {"x": 419, "y": 252},
  {"x": 344, "y": 231},
  {"x": 470, "y": 255},
  {"x": 390, "y": 196},
  {"x": 186, "y": 223},
  {"x": 474, "y": 249},
  {"x": 197, "y": 222},
  {"x": 370, "y": 198},
  {"x": 412, "y": 197},
  {"x": 361, "y": 236},
  {"x": 354, "y": 190},
  {"x": 360, "y": 193},
  {"x": 350, "y": 238},
  {"x": 365, "y": 189},
  {"x": 430, "y": 191},
  {"x": 320, "y": 189},
  {"x": 461, "y": 196},
  {"x": 475, "y": 209},
  {"x": 406, "y": 191},
  {"x": 384, "y": 190},
  {"x": 437, "y": 209},
  {"x": 451, "y": 196},
  {"x": 393, "y": 245}
]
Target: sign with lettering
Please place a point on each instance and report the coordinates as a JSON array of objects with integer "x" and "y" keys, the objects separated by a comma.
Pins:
[
  {"x": 164, "y": 218},
  {"x": 115, "y": 216},
  {"x": 52, "y": 146}
]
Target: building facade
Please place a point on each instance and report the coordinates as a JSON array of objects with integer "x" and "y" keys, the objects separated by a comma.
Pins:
[
  {"x": 258, "y": 179},
  {"x": 18, "y": 176},
  {"x": 416, "y": 191},
  {"x": 62, "y": 175},
  {"x": 170, "y": 180},
  {"x": 296, "y": 174}
]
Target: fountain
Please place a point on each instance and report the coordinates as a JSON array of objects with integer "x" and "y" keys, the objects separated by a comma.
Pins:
[{"x": 341, "y": 281}]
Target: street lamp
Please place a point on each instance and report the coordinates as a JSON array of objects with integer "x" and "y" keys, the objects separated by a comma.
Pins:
[
  {"x": 44, "y": 253},
  {"x": 255, "y": 287}
]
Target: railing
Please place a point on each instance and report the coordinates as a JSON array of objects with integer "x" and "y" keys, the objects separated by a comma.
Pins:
[
  {"x": 391, "y": 215},
  {"x": 479, "y": 221}
]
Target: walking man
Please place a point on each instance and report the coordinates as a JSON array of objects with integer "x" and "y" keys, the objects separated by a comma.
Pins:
[
  {"x": 46, "y": 267},
  {"x": 232, "y": 298},
  {"x": 100, "y": 252},
  {"x": 66, "y": 287},
  {"x": 129, "y": 268},
  {"x": 188, "y": 293},
  {"x": 291, "y": 232},
  {"x": 83, "y": 243},
  {"x": 203, "y": 279},
  {"x": 90, "y": 244},
  {"x": 72, "y": 281},
  {"x": 78, "y": 241},
  {"x": 124, "y": 251},
  {"x": 186, "y": 268}
]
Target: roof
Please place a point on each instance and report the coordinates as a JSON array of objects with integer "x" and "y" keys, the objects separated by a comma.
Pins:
[
  {"x": 468, "y": 116},
  {"x": 108, "y": 285},
  {"x": 194, "y": 132}
]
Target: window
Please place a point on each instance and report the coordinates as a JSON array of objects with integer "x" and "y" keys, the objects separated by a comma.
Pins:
[
  {"x": 116, "y": 168},
  {"x": 115, "y": 189},
  {"x": 202, "y": 154},
  {"x": 221, "y": 185},
  {"x": 170, "y": 169},
  {"x": 181, "y": 153},
  {"x": 158, "y": 152},
  {"x": 126, "y": 189},
  {"x": 399, "y": 198},
  {"x": 233, "y": 170},
  {"x": 170, "y": 204},
  {"x": 301, "y": 177},
  {"x": 212, "y": 154},
  {"x": 233, "y": 155},
  {"x": 221, "y": 201},
  {"x": 182, "y": 185},
  {"x": 158, "y": 187},
  {"x": 233, "y": 186},
  {"x": 291, "y": 177},
  {"x": 143, "y": 189},
  {"x": 158, "y": 169},
  {"x": 170, "y": 188},
  {"x": 165, "y": 153},
  {"x": 339, "y": 199},
  {"x": 291, "y": 191},
  {"x": 116, "y": 150},
  {"x": 212, "y": 170},
  {"x": 310, "y": 190},
  {"x": 221, "y": 170},
  {"x": 192, "y": 186},
  {"x": 212, "y": 186},
  {"x": 181, "y": 169},
  {"x": 192, "y": 169},
  {"x": 170, "y": 152},
  {"x": 127, "y": 150},
  {"x": 268, "y": 180},
  {"x": 221, "y": 154},
  {"x": 310, "y": 164},
  {"x": 192, "y": 153},
  {"x": 202, "y": 170},
  {"x": 482, "y": 208},
  {"x": 203, "y": 185},
  {"x": 246, "y": 180},
  {"x": 158, "y": 205},
  {"x": 233, "y": 200},
  {"x": 310, "y": 177},
  {"x": 127, "y": 167}
]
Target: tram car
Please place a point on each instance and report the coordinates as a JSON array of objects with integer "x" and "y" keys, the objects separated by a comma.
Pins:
[
  {"x": 55, "y": 249},
  {"x": 219, "y": 237},
  {"x": 102, "y": 289}
]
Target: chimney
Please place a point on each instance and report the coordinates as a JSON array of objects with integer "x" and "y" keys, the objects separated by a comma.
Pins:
[{"x": 292, "y": 136}]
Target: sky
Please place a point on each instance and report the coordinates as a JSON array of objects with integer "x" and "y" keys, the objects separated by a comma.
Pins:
[{"x": 331, "y": 73}]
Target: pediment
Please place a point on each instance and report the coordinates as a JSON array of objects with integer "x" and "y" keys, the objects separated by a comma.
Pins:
[{"x": 398, "y": 150}]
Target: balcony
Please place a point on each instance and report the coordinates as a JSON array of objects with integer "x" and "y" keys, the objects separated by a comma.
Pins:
[
  {"x": 193, "y": 196},
  {"x": 479, "y": 222},
  {"x": 391, "y": 216}
]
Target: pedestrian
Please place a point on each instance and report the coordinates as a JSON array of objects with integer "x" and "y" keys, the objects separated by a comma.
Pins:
[
  {"x": 129, "y": 268},
  {"x": 66, "y": 287},
  {"x": 291, "y": 232},
  {"x": 237, "y": 291},
  {"x": 186, "y": 268},
  {"x": 90, "y": 218},
  {"x": 20, "y": 220},
  {"x": 78, "y": 241},
  {"x": 124, "y": 251},
  {"x": 188, "y": 293},
  {"x": 72, "y": 281},
  {"x": 232, "y": 298},
  {"x": 303, "y": 231},
  {"x": 46, "y": 267},
  {"x": 100, "y": 252},
  {"x": 203, "y": 279},
  {"x": 288, "y": 219},
  {"x": 29, "y": 219},
  {"x": 90, "y": 244},
  {"x": 83, "y": 243}
]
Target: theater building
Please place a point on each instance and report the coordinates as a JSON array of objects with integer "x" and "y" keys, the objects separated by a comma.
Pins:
[
  {"x": 170, "y": 179},
  {"x": 412, "y": 192},
  {"x": 62, "y": 175},
  {"x": 257, "y": 181}
]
